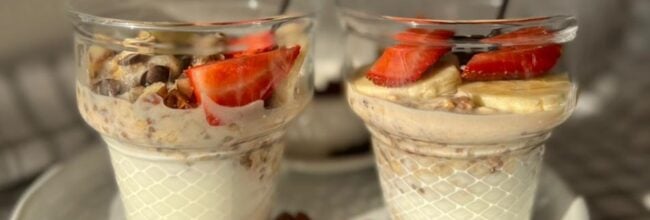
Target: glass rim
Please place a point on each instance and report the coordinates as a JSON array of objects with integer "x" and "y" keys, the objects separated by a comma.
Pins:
[
  {"x": 507, "y": 22},
  {"x": 355, "y": 12},
  {"x": 79, "y": 16},
  {"x": 564, "y": 27}
]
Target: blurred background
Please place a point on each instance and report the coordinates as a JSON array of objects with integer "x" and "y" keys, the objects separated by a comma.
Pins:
[{"x": 603, "y": 152}]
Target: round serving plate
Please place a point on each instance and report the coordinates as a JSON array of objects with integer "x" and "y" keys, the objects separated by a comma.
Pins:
[{"x": 83, "y": 188}]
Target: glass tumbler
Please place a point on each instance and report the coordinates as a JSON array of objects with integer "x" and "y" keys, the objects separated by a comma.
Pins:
[
  {"x": 192, "y": 98},
  {"x": 459, "y": 104}
]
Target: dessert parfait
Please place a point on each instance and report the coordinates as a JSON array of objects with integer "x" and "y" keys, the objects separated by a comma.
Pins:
[
  {"x": 193, "y": 114},
  {"x": 459, "y": 111}
]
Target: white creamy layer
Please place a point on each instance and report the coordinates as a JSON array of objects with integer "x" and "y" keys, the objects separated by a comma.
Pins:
[{"x": 203, "y": 186}]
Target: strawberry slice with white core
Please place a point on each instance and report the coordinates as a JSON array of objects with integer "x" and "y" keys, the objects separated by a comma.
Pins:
[{"x": 242, "y": 80}]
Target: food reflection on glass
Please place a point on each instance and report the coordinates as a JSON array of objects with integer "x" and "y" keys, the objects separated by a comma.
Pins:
[
  {"x": 458, "y": 121},
  {"x": 193, "y": 115}
]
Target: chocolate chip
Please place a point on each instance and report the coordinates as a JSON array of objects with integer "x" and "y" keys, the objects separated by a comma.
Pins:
[
  {"x": 155, "y": 74},
  {"x": 185, "y": 61},
  {"x": 133, "y": 59},
  {"x": 109, "y": 87}
]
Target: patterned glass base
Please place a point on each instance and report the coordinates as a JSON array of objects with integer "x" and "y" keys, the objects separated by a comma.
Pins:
[
  {"x": 169, "y": 186},
  {"x": 427, "y": 187}
]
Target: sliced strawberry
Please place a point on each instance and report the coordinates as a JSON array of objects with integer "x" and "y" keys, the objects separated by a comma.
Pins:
[
  {"x": 422, "y": 37},
  {"x": 526, "y": 59},
  {"x": 240, "y": 81},
  {"x": 521, "y": 62},
  {"x": 521, "y": 36},
  {"x": 403, "y": 64},
  {"x": 252, "y": 44}
]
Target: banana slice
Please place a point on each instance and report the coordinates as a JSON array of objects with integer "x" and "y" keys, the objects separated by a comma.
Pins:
[
  {"x": 443, "y": 79},
  {"x": 521, "y": 96}
]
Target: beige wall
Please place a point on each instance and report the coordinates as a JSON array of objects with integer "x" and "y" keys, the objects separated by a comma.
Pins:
[{"x": 26, "y": 25}]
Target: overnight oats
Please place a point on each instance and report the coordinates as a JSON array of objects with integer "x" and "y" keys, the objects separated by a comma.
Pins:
[
  {"x": 193, "y": 113},
  {"x": 459, "y": 111}
]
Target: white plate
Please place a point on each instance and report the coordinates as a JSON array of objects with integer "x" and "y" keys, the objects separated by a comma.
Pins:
[{"x": 84, "y": 188}]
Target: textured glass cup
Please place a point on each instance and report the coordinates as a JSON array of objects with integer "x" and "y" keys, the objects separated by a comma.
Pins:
[
  {"x": 192, "y": 98},
  {"x": 459, "y": 110}
]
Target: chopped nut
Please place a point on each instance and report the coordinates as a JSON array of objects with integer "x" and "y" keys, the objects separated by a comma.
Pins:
[
  {"x": 445, "y": 104},
  {"x": 155, "y": 88},
  {"x": 108, "y": 87},
  {"x": 175, "y": 99},
  {"x": 162, "y": 92},
  {"x": 463, "y": 104},
  {"x": 183, "y": 85}
]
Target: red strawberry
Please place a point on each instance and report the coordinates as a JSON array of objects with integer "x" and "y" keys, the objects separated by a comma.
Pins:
[
  {"x": 521, "y": 36},
  {"x": 515, "y": 62},
  {"x": 405, "y": 63},
  {"x": 423, "y": 36},
  {"x": 252, "y": 44},
  {"x": 520, "y": 62},
  {"x": 240, "y": 81}
]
